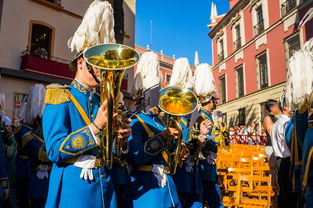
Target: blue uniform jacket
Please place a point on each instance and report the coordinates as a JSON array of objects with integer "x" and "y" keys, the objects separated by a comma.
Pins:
[
  {"x": 3, "y": 167},
  {"x": 38, "y": 188},
  {"x": 66, "y": 136},
  {"x": 208, "y": 171},
  {"x": 22, "y": 137},
  {"x": 143, "y": 190},
  {"x": 188, "y": 182},
  {"x": 307, "y": 147}
]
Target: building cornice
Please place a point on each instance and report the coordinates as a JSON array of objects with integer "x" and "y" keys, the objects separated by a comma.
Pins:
[
  {"x": 145, "y": 49},
  {"x": 228, "y": 17},
  {"x": 31, "y": 76},
  {"x": 58, "y": 8},
  {"x": 252, "y": 94}
]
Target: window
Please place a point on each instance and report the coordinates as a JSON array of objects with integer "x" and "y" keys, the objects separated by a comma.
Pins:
[
  {"x": 168, "y": 78},
  {"x": 242, "y": 116},
  {"x": 221, "y": 50},
  {"x": 259, "y": 27},
  {"x": 288, "y": 6},
  {"x": 237, "y": 43},
  {"x": 41, "y": 40},
  {"x": 262, "y": 71},
  {"x": 223, "y": 89},
  {"x": 292, "y": 45},
  {"x": 240, "y": 82}
]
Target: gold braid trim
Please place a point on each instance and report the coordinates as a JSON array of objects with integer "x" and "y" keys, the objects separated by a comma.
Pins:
[
  {"x": 42, "y": 154},
  {"x": 26, "y": 138},
  {"x": 56, "y": 94},
  {"x": 304, "y": 108}
]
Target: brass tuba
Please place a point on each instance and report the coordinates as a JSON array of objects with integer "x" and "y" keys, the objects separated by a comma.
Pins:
[
  {"x": 177, "y": 102},
  {"x": 112, "y": 60}
]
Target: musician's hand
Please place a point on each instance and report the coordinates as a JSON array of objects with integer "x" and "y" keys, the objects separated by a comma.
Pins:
[
  {"x": 201, "y": 140},
  {"x": 206, "y": 126},
  {"x": 186, "y": 155},
  {"x": 101, "y": 118},
  {"x": 170, "y": 133},
  {"x": 125, "y": 131}
]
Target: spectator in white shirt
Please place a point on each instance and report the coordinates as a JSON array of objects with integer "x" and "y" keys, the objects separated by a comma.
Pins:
[{"x": 282, "y": 153}]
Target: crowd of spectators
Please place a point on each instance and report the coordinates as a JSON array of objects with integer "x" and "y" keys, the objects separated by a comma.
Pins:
[{"x": 253, "y": 134}]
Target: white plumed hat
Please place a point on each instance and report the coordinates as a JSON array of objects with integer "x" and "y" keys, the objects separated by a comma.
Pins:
[
  {"x": 34, "y": 105},
  {"x": 148, "y": 72},
  {"x": 204, "y": 85},
  {"x": 182, "y": 74},
  {"x": 97, "y": 27}
]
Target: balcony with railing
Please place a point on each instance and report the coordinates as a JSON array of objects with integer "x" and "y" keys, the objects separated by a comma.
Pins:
[
  {"x": 53, "y": 67},
  {"x": 237, "y": 44},
  {"x": 220, "y": 57},
  {"x": 288, "y": 6},
  {"x": 49, "y": 65},
  {"x": 259, "y": 28}
]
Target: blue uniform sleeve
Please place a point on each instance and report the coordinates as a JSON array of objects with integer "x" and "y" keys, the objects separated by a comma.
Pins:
[
  {"x": 61, "y": 142},
  {"x": 301, "y": 125},
  {"x": 141, "y": 148}
]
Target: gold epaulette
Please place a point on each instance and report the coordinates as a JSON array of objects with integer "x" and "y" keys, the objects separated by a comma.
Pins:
[
  {"x": 56, "y": 94},
  {"x": 304, "y": 108}
]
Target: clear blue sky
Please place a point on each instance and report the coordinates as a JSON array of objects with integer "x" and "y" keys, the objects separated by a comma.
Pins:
[{"x": 179, "y": 26}]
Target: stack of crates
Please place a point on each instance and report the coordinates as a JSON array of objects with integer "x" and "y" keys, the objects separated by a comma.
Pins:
[{"x": 244, "y": 177}]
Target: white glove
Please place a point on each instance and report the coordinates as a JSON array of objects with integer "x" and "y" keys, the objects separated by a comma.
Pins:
[
  {"x": 42, "y": 173},
  {"x": 189, "y": 165},
  {"x": 158, "y": 171},
  {"x": 86, "y": 162}
]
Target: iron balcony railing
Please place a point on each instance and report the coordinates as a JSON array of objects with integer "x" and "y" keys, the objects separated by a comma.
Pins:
[
  {"x": 288, "y": 6},
  {"x": 259, "y": 28},
  {"x": 221, "y": 57},
  {"x": 51, "y": 58},
  {"x": 237, "y": 44}
]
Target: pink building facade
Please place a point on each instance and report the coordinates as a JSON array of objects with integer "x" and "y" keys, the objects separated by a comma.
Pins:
[{"x": 251, "y": 45}]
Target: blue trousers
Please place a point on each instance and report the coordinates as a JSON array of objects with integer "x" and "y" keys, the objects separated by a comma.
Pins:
[
  {"x": 212, "y": 194},
  {"x": 308, "y": 197},
  {"x": 190, "y": 201}
]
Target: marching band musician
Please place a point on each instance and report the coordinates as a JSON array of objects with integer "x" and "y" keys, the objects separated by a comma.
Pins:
[
  {"x": 73, "y": 119},
  {"x": 29, "y": 139},
  {"x": 150, "y": 185},
  {"x": 187, "y": 177},
  {"x": 299, "y": 96},
  {"x": 5, "y": 139},
  {"x": 205, "y": 89}
]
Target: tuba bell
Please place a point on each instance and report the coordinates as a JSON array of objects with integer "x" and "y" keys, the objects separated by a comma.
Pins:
[
  {"x": 177, "y": 102},
  {"x": 112, "y": 60}
]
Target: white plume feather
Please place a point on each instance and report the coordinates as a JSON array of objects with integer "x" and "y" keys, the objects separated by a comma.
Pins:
[
  {"x": 34, "y": 105},
  {"x": 299, "y": 77},
  {"x": 148, "y": 72},
  {"x": 204, "y": 81},
  {"x": 97, "y": 27},
  {"x": 182, "y": 74}
]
